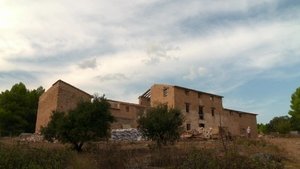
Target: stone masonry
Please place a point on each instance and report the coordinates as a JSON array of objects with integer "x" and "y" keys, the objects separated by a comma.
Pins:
[{"x": 200, "y": 109}]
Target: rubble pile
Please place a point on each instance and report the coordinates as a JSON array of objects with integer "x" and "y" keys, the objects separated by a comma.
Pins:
[
  {"x": 200, "y": 132},
  {"x": 29, "y": 137},
  {"x": 131, "y": 134}
]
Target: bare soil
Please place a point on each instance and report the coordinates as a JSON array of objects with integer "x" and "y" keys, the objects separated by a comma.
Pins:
[{"x": 291, "y": 150}]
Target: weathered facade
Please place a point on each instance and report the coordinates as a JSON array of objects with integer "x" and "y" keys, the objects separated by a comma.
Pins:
[
  {"x": 200, "y": 109},
  {"x": 62, "y": 97}
]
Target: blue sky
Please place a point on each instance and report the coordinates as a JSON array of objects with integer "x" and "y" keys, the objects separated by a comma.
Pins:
[{"x": 246, "y": 50}]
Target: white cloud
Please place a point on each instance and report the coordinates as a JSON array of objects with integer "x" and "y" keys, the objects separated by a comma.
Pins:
[{"x": 216, "y": 45}]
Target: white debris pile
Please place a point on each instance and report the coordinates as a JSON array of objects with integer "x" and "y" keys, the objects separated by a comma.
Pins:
[
  {"x": 29, "y": 137},
  {"x": 130, "y": 134}
]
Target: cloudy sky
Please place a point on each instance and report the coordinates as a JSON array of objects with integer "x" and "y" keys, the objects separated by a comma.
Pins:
[{"x": 246, "y": 50}]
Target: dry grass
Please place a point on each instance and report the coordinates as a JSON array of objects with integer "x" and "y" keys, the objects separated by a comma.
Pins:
[{"x": 141, "y": 155}]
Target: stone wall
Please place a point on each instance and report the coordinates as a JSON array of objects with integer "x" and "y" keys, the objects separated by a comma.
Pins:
[
  {"x": 61, "y": 96},
  {"x": 192, "y": 102},
  {"x": 126, "y": 114},
  {"x": 64, "y": 97}
]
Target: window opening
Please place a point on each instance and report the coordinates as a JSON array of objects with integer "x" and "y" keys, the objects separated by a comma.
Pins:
[
  {"x": 165, "y": 91},
  {"x": 201, "y": 113},
  {"x": 188, "y": 126},
  {"x": 212, "y": 111},
  {"x": 187, "y": 92},
  {"x": 187, "y": 107}
]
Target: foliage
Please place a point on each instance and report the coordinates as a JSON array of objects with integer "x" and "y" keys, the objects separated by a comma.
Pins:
[
  {"x": 280, "y": 124},
  {"x": 89, "y": 121},
  {"x": 161, "y": 124},
  {"x": 18, "y": 109},
  {"x": 25, "y": 157},
  {"x": 244, "y": 154},
  {"x": 295, "y": 110},
  {"x": 263, "y": 128}
]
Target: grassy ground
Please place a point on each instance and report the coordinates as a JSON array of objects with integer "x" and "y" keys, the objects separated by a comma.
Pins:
[{"x": 240, "y": 153}]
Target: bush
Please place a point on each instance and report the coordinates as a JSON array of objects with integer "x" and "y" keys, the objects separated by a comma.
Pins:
[{"x": 161, "y": 124}]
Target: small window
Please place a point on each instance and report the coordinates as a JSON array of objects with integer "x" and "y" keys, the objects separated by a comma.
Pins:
[
  {"x": 188, "y": 126},
  {"x": 201, "y": 113},
  {"x": 212, "y": 111},
  {"x": 187, "y": 92},
  {"x": 165, "y": 91},
  {"x": 240, "y": 114},
  {"x": 211, "y": 98},
  {"x": 127, "y": 108},
  {"x": 230, "y": 112},
  {"x": 187, "y": 107},
  {"x": 199, "y": 95},
  {"x": 201, "y": 125}
]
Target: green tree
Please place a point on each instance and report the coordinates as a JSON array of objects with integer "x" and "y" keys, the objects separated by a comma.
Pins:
[
  {"x": 161, "y": 124},
  {"x": 263, "y": 128},
  {"x": 18, "y": 109},
  {"x": 280, "y": 124},
  {"x": 87, "y": 122},
  {"x": 295, "y": 110}
]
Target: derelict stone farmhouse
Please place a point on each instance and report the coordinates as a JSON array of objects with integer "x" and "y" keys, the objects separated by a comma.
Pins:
[{"x": 200, "y": 109}]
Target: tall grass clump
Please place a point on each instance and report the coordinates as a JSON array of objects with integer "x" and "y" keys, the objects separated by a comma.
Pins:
[{"x": 19, "y": 156}]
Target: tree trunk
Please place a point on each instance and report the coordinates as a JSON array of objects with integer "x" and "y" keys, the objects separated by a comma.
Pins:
[{"x": 78, "y": 146}]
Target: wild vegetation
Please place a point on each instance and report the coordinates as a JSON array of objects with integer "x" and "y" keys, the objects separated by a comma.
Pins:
[
  {"x": 161, "y": 124},
  {"x": 250, "y": 154},
  {"x": 18, "y": 109}
]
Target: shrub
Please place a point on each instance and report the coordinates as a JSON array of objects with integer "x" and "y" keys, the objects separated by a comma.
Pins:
[{"x": 161, "y": 124}]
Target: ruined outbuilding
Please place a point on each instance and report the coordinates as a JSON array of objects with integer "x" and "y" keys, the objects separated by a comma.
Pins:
[{"x": 200, "y": 109}]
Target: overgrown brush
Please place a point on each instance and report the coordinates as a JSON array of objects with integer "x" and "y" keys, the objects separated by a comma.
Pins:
[
  {"x": 239, "y": 155},
  {"x": 231, "y": 160},
  {"x": 25, "y": 157}
]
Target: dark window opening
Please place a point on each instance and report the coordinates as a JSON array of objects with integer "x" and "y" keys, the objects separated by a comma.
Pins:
[
  {"x": 201, "y": 113},
  {"x": 212, "y": 111},
  {"x": 127, "y": 108},
  {"x": 188, "y": 126},
  {"x": 201, "y": 125},
  {"x": 187, "y": 92},
  {"x": 187, "y": 107},
  {"x": 240, "y": 114},
  {"x": 199, "y": 95},
  {"x": 230, "y": 112},
  {"x": 165, "y": 91}
]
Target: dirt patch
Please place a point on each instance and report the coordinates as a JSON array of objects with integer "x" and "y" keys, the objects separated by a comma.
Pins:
[{"x": 291, "y": 148}]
